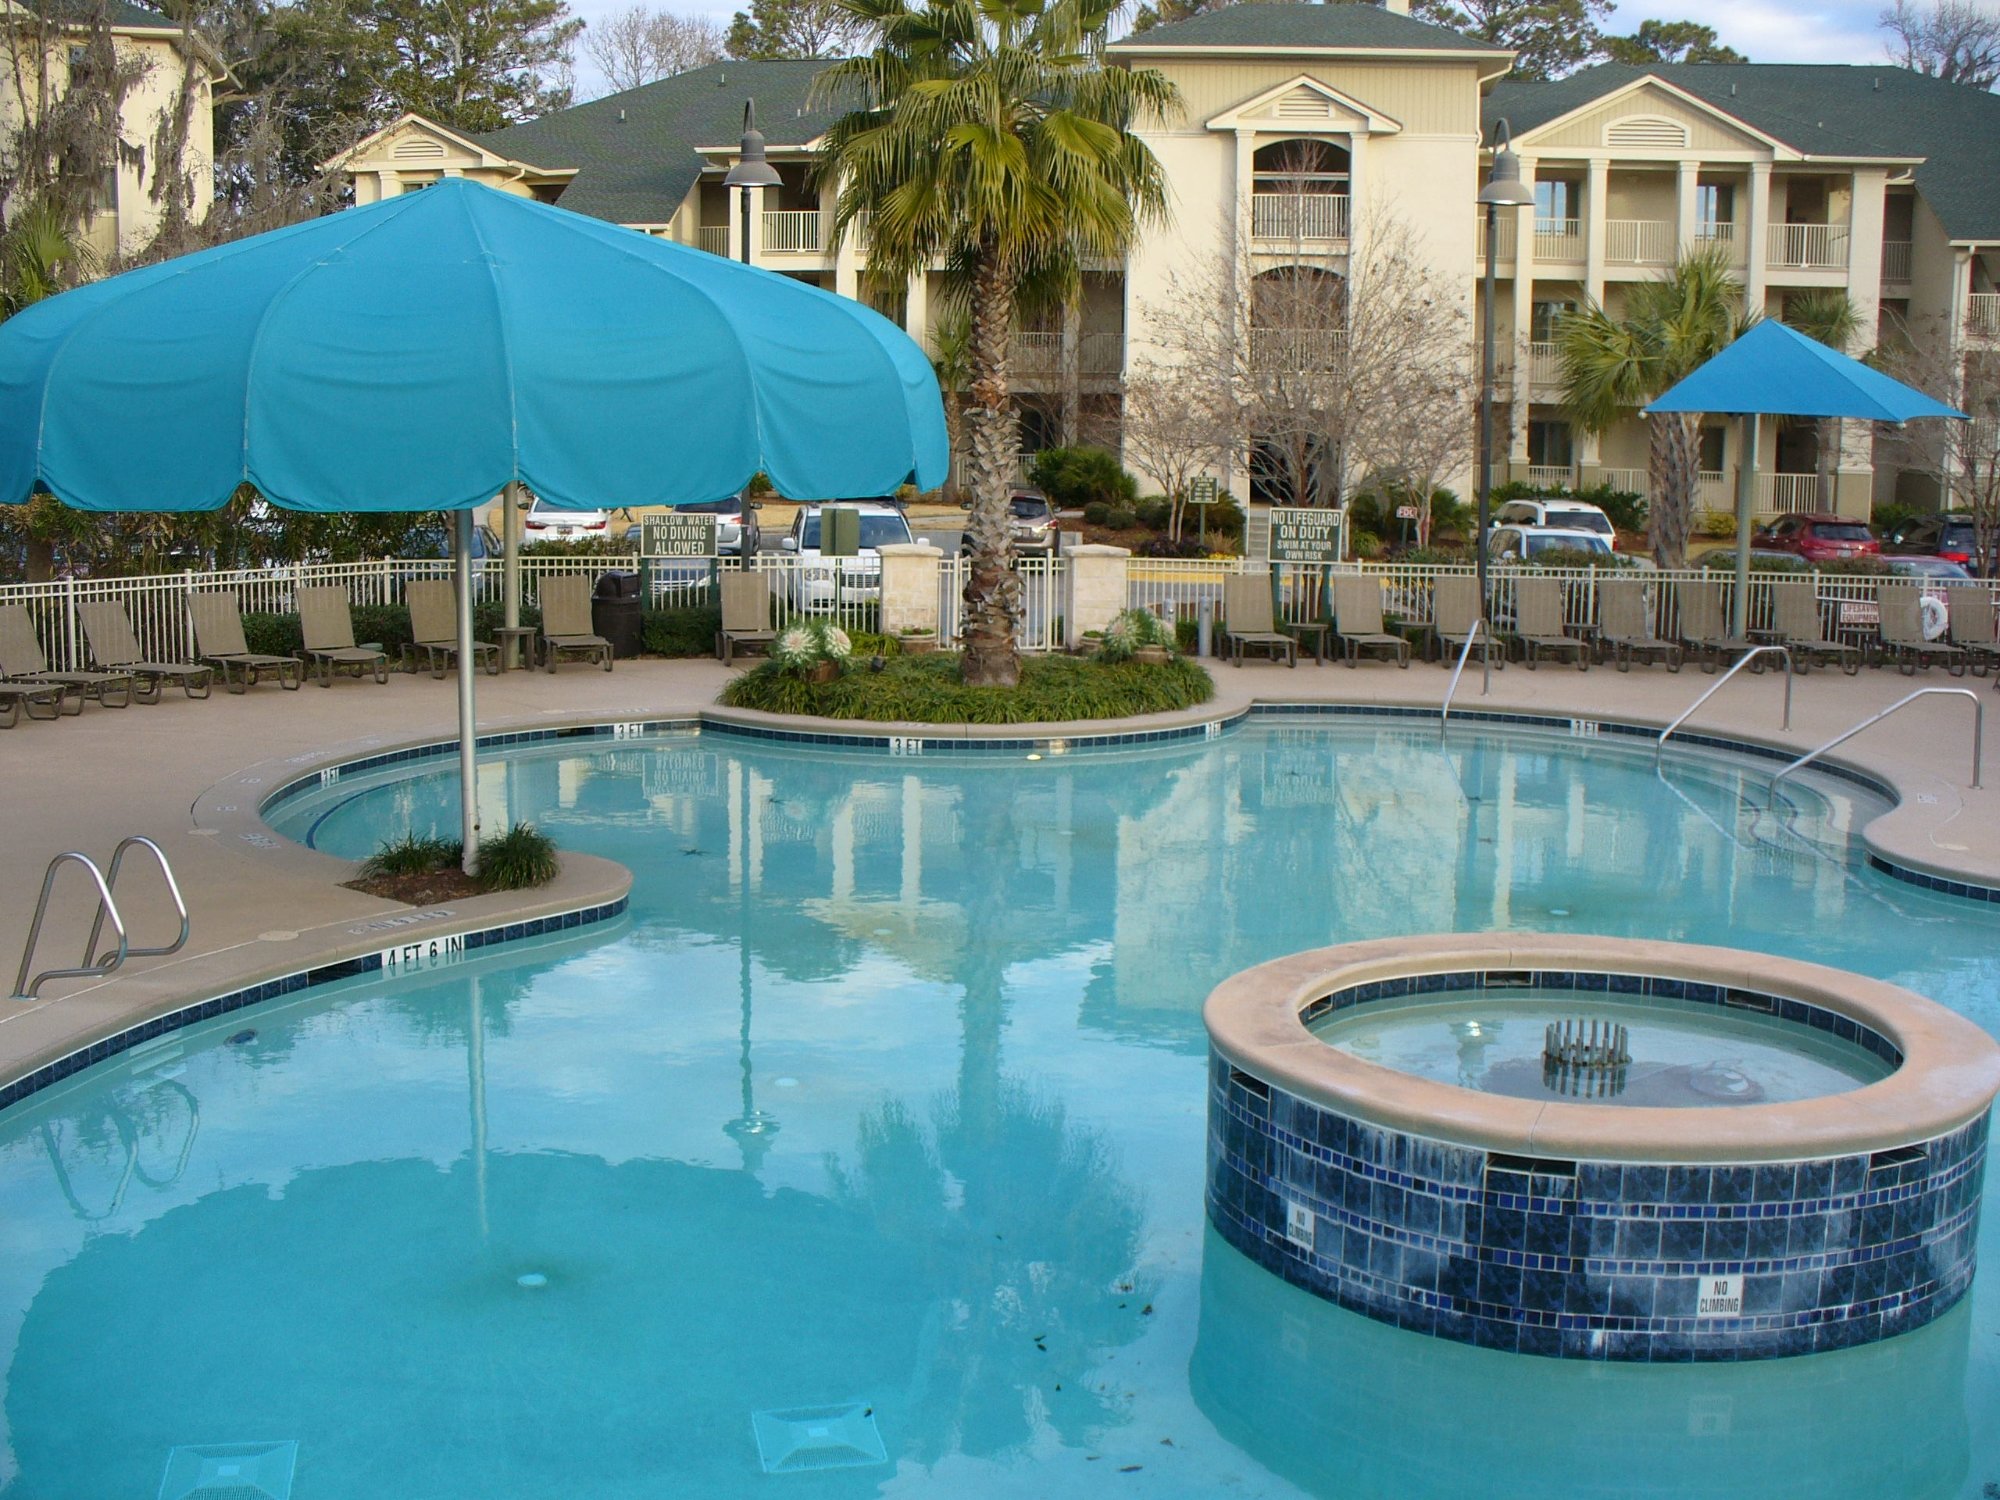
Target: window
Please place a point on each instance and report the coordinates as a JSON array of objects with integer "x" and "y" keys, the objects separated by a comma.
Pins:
[
  {"x": 1556, "y": 199},
  {"x": 1549, "y": 444},
  {"x": 1714, "y": 207},
  {"x": 1544, "y": 318},
  {"x": 1712, "y": 439}
]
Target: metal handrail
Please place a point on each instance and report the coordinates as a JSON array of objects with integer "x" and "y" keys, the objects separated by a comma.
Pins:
[
  {"x": 173, "y": 889},
  {"x": 1660, "y": 745},
  {"x": 26, "y": 990},
  {"x": 1485, "y": 660},
  {"x": 1978, "y": 731}
]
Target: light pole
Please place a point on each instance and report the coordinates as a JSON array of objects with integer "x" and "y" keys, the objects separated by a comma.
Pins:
[
  {"x": 751, "y": 170},
  {"x": 1503, "y": 187}
]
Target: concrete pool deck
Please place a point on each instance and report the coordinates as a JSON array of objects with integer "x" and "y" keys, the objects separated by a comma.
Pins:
[{"x": 262, "y": 907}]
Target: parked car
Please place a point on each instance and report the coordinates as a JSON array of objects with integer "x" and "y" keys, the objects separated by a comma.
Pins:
[
  {"x": 860, "y": 576},
  {"x": 546, "y": 523},
  {"x": 1523, "y": 544},
  {"x": 1571, "y": 515},
  {"x": 1819, "y": 538},
  {"x": 1031, "y": 525},
  {"x": 735, "y": 518},
  {"x": 1930, "y": 569},
  {"x": 1949, "y": 537}
]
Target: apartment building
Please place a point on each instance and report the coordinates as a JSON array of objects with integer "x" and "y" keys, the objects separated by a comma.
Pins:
[{"x": 1308, "y": 127}]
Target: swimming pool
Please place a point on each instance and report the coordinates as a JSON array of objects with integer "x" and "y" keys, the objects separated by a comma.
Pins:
[{"x": 865, "y": 1154}]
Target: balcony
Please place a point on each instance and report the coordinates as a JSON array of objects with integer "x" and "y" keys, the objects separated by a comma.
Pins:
[
  {"x": 1791, "y": 493},
  {"x": 1712, "y": 492},
  {"x": 1544, "y": 363},
  {"x": 1638, "y": 242},
  {"x": 1550, "y": 476},
  {"x": 1506, "y": 236},
  {"x": 714, "y": 238},
  {"x": 1717, "y": 232},
  {"x": 1558, "y": 239},
  {"x": 1038, "y": 355},
  {"x": 1982, "y": 315},
  {"x": 793, "y": 231},
  {"x": 1896, "y": 261},
  {"x": 1631, "y": 481},
  {"x": 1292, "y": 217},
  {"x": 1296, "y": 351},
  {"x": 1808, "y": 247}
]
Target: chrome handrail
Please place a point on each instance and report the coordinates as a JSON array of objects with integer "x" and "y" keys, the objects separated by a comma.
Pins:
[
  {"x": 26, "y": 990},
  {"x": 173, "y": 889},
  {"x": 1660, "y": 745},
  {"x": 1978, "y": 731},
  {"x": 1485, "y": 660}
]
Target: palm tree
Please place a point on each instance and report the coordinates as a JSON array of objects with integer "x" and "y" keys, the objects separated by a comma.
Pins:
[
  {"x": 1611, "y": 366},
  {"x": 951, "y": 338},
  {"x": 990, "y": 136}
]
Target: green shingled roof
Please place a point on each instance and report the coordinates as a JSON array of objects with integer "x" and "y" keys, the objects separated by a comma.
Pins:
[
  {"x": 639, "y": 168},
  {"x": 1822, "y": 110},
  {"x": 1341, "y": 23}
]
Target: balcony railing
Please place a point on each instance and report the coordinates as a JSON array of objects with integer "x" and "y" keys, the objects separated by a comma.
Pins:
[
  {"x": 1558, "y": 239},
  {"x": 1808, "y": 247},
  {"x": 1896, "y": 260},
  {"x": 1638, "y": 242},
  {"x": 1298, "y": 216},
  {"x": 1545, "y": 363},
  {"x": 1787, "y": 493},
  {"x": 1712, "y": 492},
  {"x": 1295, "y": 350},
  {"x": 1632, "y": 481},
  {"x": 1506, "y": 236},
  {"x": 714, "y": 238},
  {"x": 1719, "y": 232},
  {"x": 1550, "y": 476},
  {"x": 1038, "y": 355},
  {"x": 792, "y": 230},
  {"x": 1982, "y": 315}
]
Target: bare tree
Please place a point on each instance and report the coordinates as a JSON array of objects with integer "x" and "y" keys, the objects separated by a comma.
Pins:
[
  {"x": 1956, "y": 40},
  {"x": 1961, "y": 458},
  {"x": 1179, "y": 423},
  {"x": 639, "y": 45}
]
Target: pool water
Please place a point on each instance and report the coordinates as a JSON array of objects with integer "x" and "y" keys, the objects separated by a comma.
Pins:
[
  {"x": 869, "y": 1148},
  {"x": 1684, "y": 1055}
]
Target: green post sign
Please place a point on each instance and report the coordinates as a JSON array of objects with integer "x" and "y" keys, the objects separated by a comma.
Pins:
[
  {"x": 1307, "y": 534},
  {"x": 678, "y": 535}
]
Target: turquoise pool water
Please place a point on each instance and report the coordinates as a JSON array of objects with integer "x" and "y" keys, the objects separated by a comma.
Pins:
[{"x": 874, "y": 1133}]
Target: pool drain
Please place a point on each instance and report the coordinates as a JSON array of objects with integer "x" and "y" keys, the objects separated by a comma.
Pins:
[
  {"x": 532, "y": 1280},
  {"x": 1585, "y": 1058},
  {"x": 807, "y": 1438},
  {"x": 229, "y": 1471}
]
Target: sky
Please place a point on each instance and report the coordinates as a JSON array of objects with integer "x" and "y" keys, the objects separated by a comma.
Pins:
[{"x": 1841, "y": 31}]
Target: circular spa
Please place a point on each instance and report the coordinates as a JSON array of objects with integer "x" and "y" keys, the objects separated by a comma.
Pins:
[{"x": 1599, "y": 1148}]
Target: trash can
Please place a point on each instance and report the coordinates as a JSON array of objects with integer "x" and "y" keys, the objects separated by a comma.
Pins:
[{"x": 615, "y": 611}]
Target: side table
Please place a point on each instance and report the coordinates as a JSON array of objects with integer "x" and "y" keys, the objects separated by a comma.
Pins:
[{"x": 508, "y": 636}]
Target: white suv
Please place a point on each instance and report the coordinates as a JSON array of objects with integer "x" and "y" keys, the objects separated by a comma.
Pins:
[
  {"x": 1571, "y": 515},
  {"x": 860, "y": 576}
]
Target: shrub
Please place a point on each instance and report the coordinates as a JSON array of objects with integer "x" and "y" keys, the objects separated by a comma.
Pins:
[
  {"x": 1076, "y": 476},
  {"x": 518, "y": 860},
  {"x": 927, "y": 690},
  {"x": 1366, "y": 545},
  {"x": 1121, "y": 519},
  {"x": 679, "y": 632},
  {"x": 1716, "y": 525},
  {"x": 412, "y": 854},
  {"x": 612, "y": 544},
  {"x": 1097, "y": 513},
  {"x": 1155, "y": 511},
  {"x": 808, "y": 643},
  {"x": 1225, "y": 517},
  {"x": 1188, "y": 545},
  {"x": 1577, "y": 557},
  {"x": 1129, "y": 630}
]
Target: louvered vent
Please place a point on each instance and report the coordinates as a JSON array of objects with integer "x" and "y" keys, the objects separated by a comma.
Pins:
[
  {"x": 1646, "y": 131},
  {"x": 1304, "y": 104},
  {"x": 419, "y": 148}
]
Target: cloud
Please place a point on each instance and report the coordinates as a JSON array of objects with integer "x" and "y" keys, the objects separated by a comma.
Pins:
[{"x": 1771, "y": 33}]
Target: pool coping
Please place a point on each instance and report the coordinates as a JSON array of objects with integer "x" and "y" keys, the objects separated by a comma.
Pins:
[{"x": 1948, "y": 1076}]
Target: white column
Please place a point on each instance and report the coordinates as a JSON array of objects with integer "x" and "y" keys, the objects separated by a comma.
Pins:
[
  {"x": 1357, "y": 199},
  {"x": 917, "y": 309},
  {"x": 1687, "y": 179},
  {"x": 1524, "y": 315},
  {"x": 1757, "y": 253},
  {"x": 1246, "y": 151},
  {"x": 1594, "y": 194}
]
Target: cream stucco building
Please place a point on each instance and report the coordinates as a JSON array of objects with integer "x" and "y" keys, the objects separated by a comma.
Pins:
[{"x": 1306, "y": 128}]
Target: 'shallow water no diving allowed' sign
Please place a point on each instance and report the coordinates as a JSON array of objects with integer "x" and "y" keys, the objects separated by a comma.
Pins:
[{"x": 678, "y": 535}]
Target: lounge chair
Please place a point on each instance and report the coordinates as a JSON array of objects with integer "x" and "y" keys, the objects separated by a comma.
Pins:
[
  {"x": 1357, "y": 611},
  {"x": 218, "y": 640},
  {"x": 1795, "y": 621},
  {"x": 1454, "y": 611},
  {"x": 746, "y": 614},
  {"x": 115, "y": 647},
  {"x": 1538, "y": 624},
  {"x": 326, "y": 623},
  {"x": 1902, "y": 632},
  {"x": 566, "y": 622},
  {"x": 42, "y": 701},
  {"x": 22, "y": 663},
  {"x": 1625, "y": 627},
  {"x": 433, "y": 606},
  {"x": 1248, "y": 620},
  {"x": 1970, "y": 609},
  {"x": 1703, "y": 627}
]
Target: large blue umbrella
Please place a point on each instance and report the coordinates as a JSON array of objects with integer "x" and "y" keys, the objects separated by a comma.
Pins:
[
  {"x": 1773, "y": 370},
  {"x": 431, "y": 350}
]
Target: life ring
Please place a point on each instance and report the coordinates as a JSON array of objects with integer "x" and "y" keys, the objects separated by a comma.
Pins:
[{"x": 1936, "y": 618}]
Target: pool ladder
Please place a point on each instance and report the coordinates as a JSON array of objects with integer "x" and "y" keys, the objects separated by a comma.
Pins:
[
  {"x": 106, "y": 882},
  {"x": 1978, "y": 731},
  {"x": 1464, "y": 652},
  {"x": 1755, "y": 652}
]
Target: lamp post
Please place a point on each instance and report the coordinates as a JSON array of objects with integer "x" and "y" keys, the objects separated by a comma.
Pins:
[
  {"x": 1503, "y": 187},
  {"x": 751, "y": 170}
]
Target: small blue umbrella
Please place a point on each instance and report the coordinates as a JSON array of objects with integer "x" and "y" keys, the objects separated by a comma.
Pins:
[
  {"x": 426, "y": 352},
  {"x": 1773, "y": 370}
]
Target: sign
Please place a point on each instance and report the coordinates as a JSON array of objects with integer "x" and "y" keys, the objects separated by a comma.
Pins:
[
  {"x": 1299, "y": 1225},
  {"x": 839, "y": 531},
  {"x": 424, "y": 954},
  {"x": 677, "y": 535},
  {"x": 1202, "y": 491},
  {"x": 1304, "y": 534},
  {"x": 1407, "y": 513},
  {"x": 1719, "y": 1297}
]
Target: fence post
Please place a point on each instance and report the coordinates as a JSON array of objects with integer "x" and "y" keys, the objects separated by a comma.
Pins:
[
  {"x": 1094, "y": 590},
  {"x": 72, "y": 658}
]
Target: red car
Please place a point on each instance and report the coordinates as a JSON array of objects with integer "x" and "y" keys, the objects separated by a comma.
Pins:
[{"x": 1821, "y": 538}]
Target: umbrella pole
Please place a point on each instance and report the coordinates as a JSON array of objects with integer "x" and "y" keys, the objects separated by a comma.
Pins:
[
  {"x": 468, "y": 724},
  {"x": 1746, "y": 502},
  {"x": 510, "y": 561}
]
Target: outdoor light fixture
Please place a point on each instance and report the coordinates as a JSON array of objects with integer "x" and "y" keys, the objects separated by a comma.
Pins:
[
  {"x": 751, "y": 169},
  {"x": 1503, "y": 188}
]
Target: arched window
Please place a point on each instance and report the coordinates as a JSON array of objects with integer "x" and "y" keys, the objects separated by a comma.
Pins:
[
  {"x": 1299, "y": 191},
  {"x": 1298, "y": 319}
]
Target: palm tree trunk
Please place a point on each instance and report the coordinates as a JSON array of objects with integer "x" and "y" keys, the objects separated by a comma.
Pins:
[
  {"x": 1671, "y": 459},
  {"x": 992, "y": 593}
]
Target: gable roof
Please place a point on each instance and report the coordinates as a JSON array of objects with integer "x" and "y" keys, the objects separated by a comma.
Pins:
[
  {"x": 635, "y": 153},
  {"x": 1820, "y": 109},
  {"x": 1335, "y": 26}
]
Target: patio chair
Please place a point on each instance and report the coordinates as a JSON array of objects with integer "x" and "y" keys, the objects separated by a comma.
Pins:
[
  {"x": 218, "y": 640},
  {"x": 1538, "y": 624},
  {"x": 1703, "y": 625},
  {"x": 1970, "y": 610},
  {"x": 41, "y": 700},
  {"x": 433, "y": 604},
  {"x": 115, "y": 647},
  {"x": 746, "y": 613},
  {"x": 1625, "y": 627},
  {"x": 1357, "y": 611},
  {"x": 1796, "y": 623},
  {"x": 1248, "y": 620},
  {"x": 1902, "y": 632},
  {"x": 22, "y": 662},
  {"x": 566, "y": 622},
  {"x": 1454, "y": 611},
  {"x": 326, "y": 623}
]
